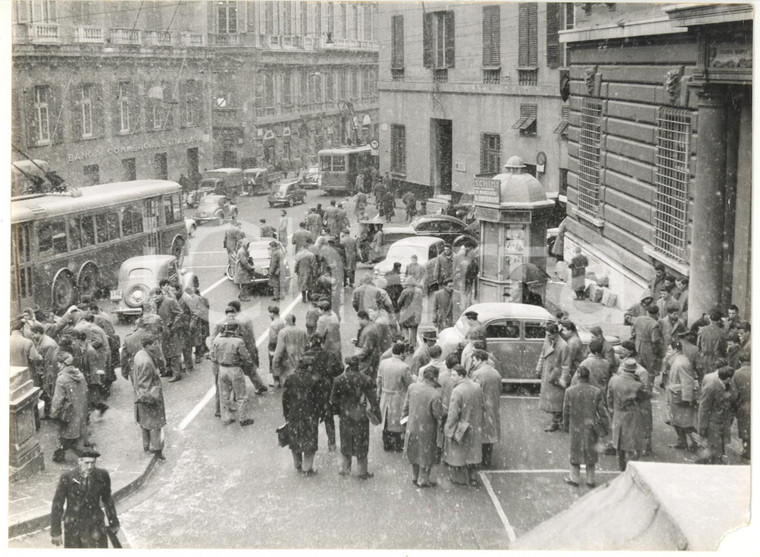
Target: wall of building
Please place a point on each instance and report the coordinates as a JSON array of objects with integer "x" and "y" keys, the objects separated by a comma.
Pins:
[{"x": 473, "y": 106}]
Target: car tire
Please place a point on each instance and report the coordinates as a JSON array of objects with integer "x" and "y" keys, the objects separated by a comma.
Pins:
[
  {"x": 234, "y": 214},
  {"x": 88, "y": 280},
  {"x": 230, "y": 272},
  {"x": 63, "y": 291},
  {"x": 291, "y": 202},
  {"x": 271, "y": 205},
  {"x": 191, "y": 234}
]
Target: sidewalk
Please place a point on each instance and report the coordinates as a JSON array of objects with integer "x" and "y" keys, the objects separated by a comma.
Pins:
[{"x": 30, "y": 499}]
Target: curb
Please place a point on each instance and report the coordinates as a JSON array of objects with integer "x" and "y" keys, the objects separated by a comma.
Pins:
[{"x": 41, "y": 522}]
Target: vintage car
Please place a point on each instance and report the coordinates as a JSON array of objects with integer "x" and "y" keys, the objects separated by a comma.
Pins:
[
  {"x": 215, "y": 208},
  {"x": 310, "y": 178},
  {"x": 286, "y": 192},
  {"x": 450, "y": 229},
  {"x": 257, "y": 181},
  {"x": 426, "y": 248},
  {"x": 223, "y": 181},
  {"x": 190, "y": 227},
  {"x": 259, "y": 252},
  {"x": 139, "y": 275},
  {"x": 514, "y": 336}
]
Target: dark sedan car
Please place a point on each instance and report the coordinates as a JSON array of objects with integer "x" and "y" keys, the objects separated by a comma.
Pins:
[
  {"x": 287, "y": 193},
  {"x": 450, "y": 229}
]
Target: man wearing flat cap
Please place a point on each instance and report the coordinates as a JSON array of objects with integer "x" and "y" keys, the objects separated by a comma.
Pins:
[
  {"x": 626, "y": 394},
  {"x": 69, "y": 406},
  {"x": 82, "y": 491}
]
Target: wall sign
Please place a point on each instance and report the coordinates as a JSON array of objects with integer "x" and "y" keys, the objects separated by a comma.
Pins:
[{"x": 486, "y": 190}]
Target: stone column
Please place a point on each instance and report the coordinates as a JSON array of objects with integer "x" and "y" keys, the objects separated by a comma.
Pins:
[{"x": 706, "y": 261}]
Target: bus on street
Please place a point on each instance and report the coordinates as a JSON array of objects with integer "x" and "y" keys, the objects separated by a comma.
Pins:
[{"x": 65, "y": 246}]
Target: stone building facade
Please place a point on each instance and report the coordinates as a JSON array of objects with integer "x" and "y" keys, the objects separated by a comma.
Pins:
[{"x": 660, "y": 147}]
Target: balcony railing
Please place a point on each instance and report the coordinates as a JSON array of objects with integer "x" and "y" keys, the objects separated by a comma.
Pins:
[
  {"x": 265, "y": 111},
  {"x": 355, "y": 44},
  {"x": 224, "y": 39},
  {"x": 126, "y": 36},
  {"x": 311, "y": 42},
  {"x": 158, "y": 38},
  {"x": 93, "y": 35},
  {"x": 527, "y": 76},
  {"x": 44, "y": 33},
  {"x": 193, "y": 39}
]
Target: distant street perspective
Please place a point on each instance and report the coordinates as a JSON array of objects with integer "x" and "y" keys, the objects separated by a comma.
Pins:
[{"x": 380, "y": 275}]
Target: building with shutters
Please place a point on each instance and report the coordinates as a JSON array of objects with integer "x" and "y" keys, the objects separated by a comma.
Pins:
[
  {"x": 104, "y": 93},
  {"x": 464, "y": 86},
  {"x": 119, "y": 90},
  {"x": 660, "y": 150},
  {"x": 291, "y": 78}
]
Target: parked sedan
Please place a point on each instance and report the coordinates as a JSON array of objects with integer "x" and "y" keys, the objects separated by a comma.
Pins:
[
  {"x": 215, "y": 208},
  {"x": 514, "y": 335},
  {"x": 259, "y": 252},
  {"x": 287, "y": 193},
  {"x": 139, "y": 275},
  {"x": 426, "y": 248}
]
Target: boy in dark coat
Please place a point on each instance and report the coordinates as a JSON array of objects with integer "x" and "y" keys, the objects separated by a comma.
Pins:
[{"x": 302, "y": 407}]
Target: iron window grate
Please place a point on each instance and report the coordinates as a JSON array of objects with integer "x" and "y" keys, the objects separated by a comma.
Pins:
[
  {"x": 673, "y": 154},
  {"x": 589, "y": 156}
]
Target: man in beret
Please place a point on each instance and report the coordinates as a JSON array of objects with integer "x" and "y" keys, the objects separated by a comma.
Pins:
[{"x": 81, "y": 491}]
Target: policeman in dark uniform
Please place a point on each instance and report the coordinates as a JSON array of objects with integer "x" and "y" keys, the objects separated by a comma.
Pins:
[
  {"x": 81, "y": 492},
  {"x": 228, "y": 359}
]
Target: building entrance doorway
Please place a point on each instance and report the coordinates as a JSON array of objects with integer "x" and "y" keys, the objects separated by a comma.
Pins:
[{"x": 440, "y": 156}]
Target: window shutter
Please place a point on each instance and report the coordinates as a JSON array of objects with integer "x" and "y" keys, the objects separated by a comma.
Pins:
[
  {"x": 167, "y": 107},
  {"x": 449, "y": 39},
  {"x": 183, "y": 91},
  {"x": 16, "y": 113},
  {"x": 533, "y": 35},
  {"x": 569, "y": 15},
  {"x": 397, "y": 30},
  {"x": 98, "y": 124},
  {"x": 552, "y": 34},
  {"x": 76, "y": 113},
  {"x": 491, "y": 36},
  {"x": 135, "y": 124},
  {"x": 55, "y": 114},
  {"x": 30, "y": 118},
  {"x": 427, "y": 41},
  {"x": 483, "y": 154},
  {"x": 115, "y": 114},
  {"x": 522, "y": 24}
]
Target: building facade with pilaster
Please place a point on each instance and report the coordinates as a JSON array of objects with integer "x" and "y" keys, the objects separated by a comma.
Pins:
[
  {"x": 464, "y": 86},
  {"x": 660, "y": 148}
]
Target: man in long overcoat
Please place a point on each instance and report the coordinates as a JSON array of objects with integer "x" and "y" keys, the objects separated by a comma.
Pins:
[
  {"x": 743, "y": 383},
  {"x": 313, "y": 223},
  {"x": 302, "y": 408},
  {"x": 423, "y": 405},
  {"x": 711, "y": 341},
  {"x": 447, "y": 306},
  {"x": 584, "y": 412},
  {"x": 275, "y": 270},
  {"x": 77, "y": 501},
  {"x": 326, "y": 367},
  {"x": 393, "y": 380},
  {"x": 717, "y": 408},
  {"x": 648, "y": 336},
  {"x": 443, "y": 268},
  {"x": 282, "y": 230},
  {"x": 306, "y": 269},
  {"x": 463, "y": 431},
  {"x": 554, "y": 370},
  {"x": 625, "y": 395},
  {"x": 47, "y": 368},
  {"x": 150, "y": 412},
  {"x": 170, "y": 313},
  {"x": 368, "y": 348},
  {"x": 627, "y": 350},
  {"x": 575, "y": 346},
  {"x": 349, "y": 248},
  {"x": 352, "y": 392},
  {"x": 598, "y": 367},
  {"x": 69, "y": 406},
  {"x": 489, "y": 380},
  {"x": 243, "y": 270},
  {"x": 291, "y": 344},
  {"x": 682, "y": 394},
  {"x": 410, "y": 310}
]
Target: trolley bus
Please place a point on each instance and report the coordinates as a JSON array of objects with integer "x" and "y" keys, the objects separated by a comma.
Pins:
[
  {"x": 339, "y": 166},
  {"x": 68, "y": 245}
]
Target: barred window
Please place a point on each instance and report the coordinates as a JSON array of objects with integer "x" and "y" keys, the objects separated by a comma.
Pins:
[
  {"x": 673, "y": 153},
  {"x": 490, "y": 153},
  {"x": 589, "y": 155},
  {"x": 398, "y": 149}
]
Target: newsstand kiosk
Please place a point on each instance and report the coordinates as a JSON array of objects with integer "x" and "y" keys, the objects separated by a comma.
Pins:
[{"x": 513, "y": 211}]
